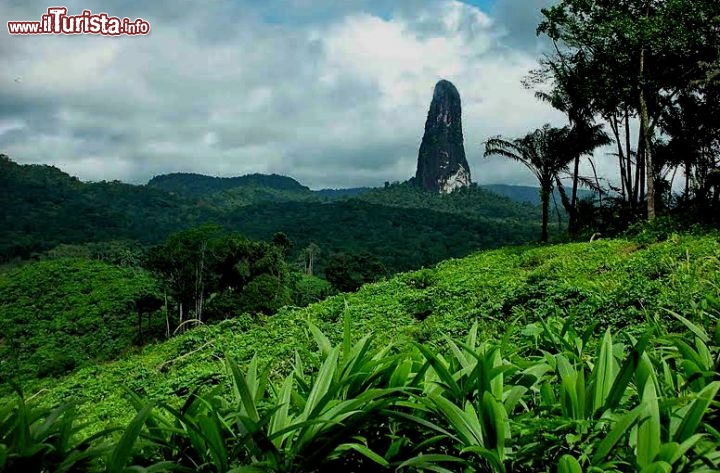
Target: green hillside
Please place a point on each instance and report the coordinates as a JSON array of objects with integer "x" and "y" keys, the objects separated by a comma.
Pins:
[
  {"x": 66, "y": 313},
  {"x": 615, "y": 283}
]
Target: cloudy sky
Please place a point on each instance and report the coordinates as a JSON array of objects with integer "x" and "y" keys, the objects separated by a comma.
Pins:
[{"x": 334, "y": 93}]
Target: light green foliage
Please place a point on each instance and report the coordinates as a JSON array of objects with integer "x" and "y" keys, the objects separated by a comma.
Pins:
[{"x": 61, "y": 314}]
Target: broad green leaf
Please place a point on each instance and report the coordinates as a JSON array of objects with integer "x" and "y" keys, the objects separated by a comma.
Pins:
[
  {"x": 698, "y": 331},
  {"x": 671, "y": 452},
  {"x": 243, "y": 391},
  {"x": 365, "y": 451},
  {"x": 124, "y": 448},
  {"x": 494, "y": 420},
  {"x": 513, "y": 396},
  {"x": 693, "y": 417},
  {"x": 622, "y": 380},
  {"x": 322, "y": 341},
  {"x": 603, "y": 373},
  {"x": 430, "y": 462},
  {"x": 648, "y": 430},
  {"x": 280, "y": 418},
  {"x": 568, "y": 464},
  {"x": 440, "y": 369},
  {"x": 322, "y": 383},
  {"x": 657, "y": 467},
  {"x": 465, "y": 422},
  {"x": 621, "y": 427}
]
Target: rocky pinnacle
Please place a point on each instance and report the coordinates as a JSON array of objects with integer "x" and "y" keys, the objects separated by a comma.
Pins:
[{"x": 442, "y": 166}]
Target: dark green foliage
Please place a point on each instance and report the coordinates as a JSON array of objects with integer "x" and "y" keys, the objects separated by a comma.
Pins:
[
  {"x": 196, "y": 185},
  {"x": 600, "y": 284},
  {"x": 403, "y": 227},
  {"x": 44, "y": 207},
  {"x": 473, "y": 201},
  {"x": 282, "y": 241},
  {"x": 205, "y": 263},
  {"x": 265, "y": 294},
  {"x": 402, "y": 235},
  {"x": 338, "y": 193},
  {"x": 347, "y": 273},
  {"x": 125, "y": 253},
  {"x": 61, "y": 314},
  {"x": 422, "y": 279}
]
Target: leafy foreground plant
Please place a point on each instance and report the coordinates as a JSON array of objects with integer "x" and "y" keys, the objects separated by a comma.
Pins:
[
  {"x": 554, "y": 401},
  {"x": 298, "y": 425},
  {"x": 37, "y": 439}
]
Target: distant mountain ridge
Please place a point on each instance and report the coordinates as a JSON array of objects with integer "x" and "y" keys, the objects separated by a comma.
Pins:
[
  {"x": 195, "y": 185},
  {"x": 529, "y": 194},
  {"x": 402, "y": 226},
  {"x": 348, "y": 192}
]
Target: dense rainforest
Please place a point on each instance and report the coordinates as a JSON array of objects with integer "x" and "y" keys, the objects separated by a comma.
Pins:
[{"x": 44, "y": 207}]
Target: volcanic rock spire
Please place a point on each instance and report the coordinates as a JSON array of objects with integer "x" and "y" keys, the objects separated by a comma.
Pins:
[{"x": 442, "y": 166}]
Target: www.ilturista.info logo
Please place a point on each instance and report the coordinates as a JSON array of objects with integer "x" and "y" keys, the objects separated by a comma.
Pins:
[{"x": 57, "y": 21}]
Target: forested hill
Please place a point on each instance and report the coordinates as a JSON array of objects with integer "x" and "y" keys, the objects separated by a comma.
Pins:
[
  {"x": 400, "y": 226},
  {"x": 43, "y": 206},
  {"x": 194, "y": 185},
  {"x": 472, "y": 201}
]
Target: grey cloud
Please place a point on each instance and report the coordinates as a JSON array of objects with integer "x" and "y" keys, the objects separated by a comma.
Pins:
[
  {"x": 520, "y": 19},
  {"x": 224, "y": 90}
]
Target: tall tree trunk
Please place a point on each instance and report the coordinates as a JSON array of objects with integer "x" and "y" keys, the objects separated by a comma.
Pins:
[
  {"x": 167, "y": 317},
  {"x": 597, "y": 181},
  {"x": 557, "y": 212},
  {"x": 639, "y": 166},
  {"x": 632, "y": 190},
  {"x": 645, "y": 130},
  {"x": 572, "y": 227},
  {"x": 621, "y": 157},
  {"x": 545, "y": 198}
]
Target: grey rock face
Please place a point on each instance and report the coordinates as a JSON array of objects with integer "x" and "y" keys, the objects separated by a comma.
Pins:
[{"x": 442, "y": 166}]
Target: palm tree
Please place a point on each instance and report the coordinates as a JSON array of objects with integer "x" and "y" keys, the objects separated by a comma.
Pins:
[
  {"x": 545, "y": 152},
  {"x": 570, "y": 97}
]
